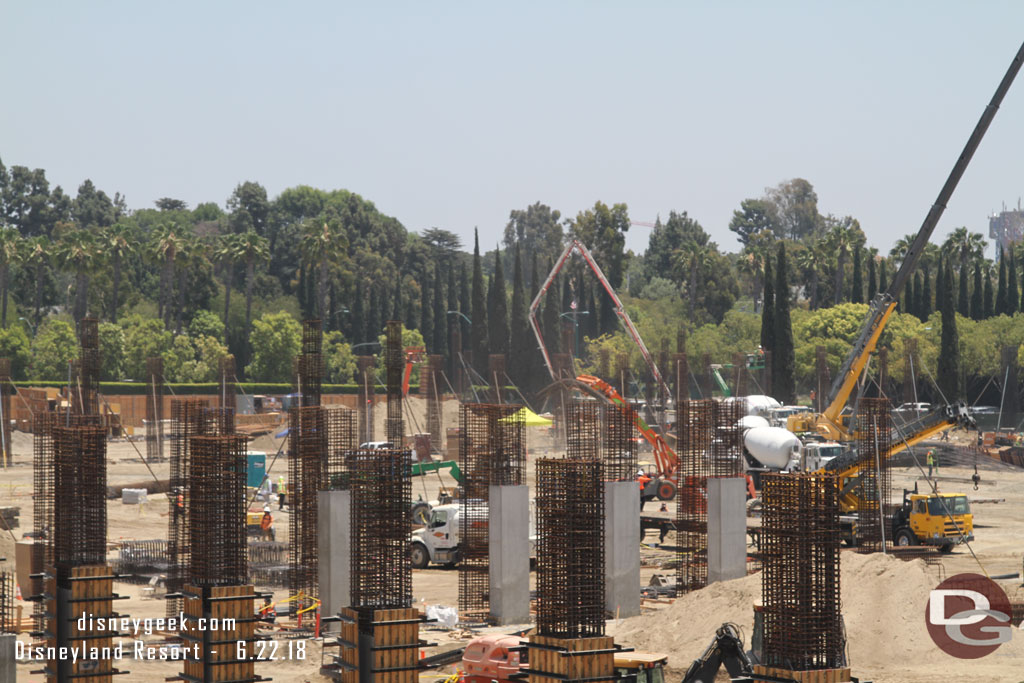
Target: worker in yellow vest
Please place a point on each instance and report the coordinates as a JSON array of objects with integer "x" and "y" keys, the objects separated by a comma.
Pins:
[{"x": 281, "y": 492}]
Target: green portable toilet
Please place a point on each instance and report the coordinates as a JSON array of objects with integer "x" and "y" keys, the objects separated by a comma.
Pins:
[{"x": 256, "y": 469}]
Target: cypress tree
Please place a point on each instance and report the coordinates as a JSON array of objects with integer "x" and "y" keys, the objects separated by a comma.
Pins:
[
  {"x": 465, "y": 306},
  {"x": 374, "y": 322},
  {"x": 398, "y": 312},
  {"x": 857, "y": 295},
  {"x": 917, "y": 291},
  {"x": 962, "y": 300},
  {"x": 497, "y": 313},
  {"x": 1001, "y": 290},
  {"x": 440, "y": 317},
  {"x": 1012, "y": 298},
  {"x": 552, "y": 338},
  {"x": 949, "y": 349},
  {"x": 926, "y": 295},
  {"x": 883, "y": 282},
  {"x": 768, "y": 309},
  {"x": 451, "y": 319},
  {"x": 989, "y": 303},
  {"x": 938, "y": 285},
  {"x": 977, "y": 312},
  {"x": 478, "y": 336},
  {"x": 521, "y": 336},
  {"x": 908, "y": 297},
  {"x": 535, "y": 282},
  {"x": 872, "y": 279},
  {"x": 783, "y": 361},
  {"x": 426, "y": 321}
]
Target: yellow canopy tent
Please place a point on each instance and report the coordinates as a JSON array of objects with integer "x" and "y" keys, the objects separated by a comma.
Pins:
[{"x": 529, "y": 418}]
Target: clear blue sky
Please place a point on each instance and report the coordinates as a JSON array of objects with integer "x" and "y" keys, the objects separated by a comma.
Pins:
[{"x": 452, "y": 114}]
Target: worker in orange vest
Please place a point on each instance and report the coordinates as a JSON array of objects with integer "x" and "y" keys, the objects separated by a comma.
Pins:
[{"x": 265, "y": 524}]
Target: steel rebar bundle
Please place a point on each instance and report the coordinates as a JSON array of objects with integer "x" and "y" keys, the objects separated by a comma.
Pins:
[
  {"x": 570, "y": 548},
  {"x": 307, "y": 463},
  {"x": 394, "y": 365},
  {"x": 874, "y": 436},
  {"x": 619, "y": 444},
  {"x": 268, "y": 564},
  {"x": 364, "y": 370},
  {"x": 310, "y": 368},
  {"x": 85, "y": 392},
  {"x": 80, "y": 492},
  {"x": 431, "y": 375},
  {"x": 800, "y": 571},
  {"x": 7, "y": 623},
  {"x": 154, "y": 409},
  {"x": 186, "y": 422},
  {"x": 216, "y": 483},
  {"x": 491, "y": 453},
  {"x": 227, "y": 379},
  {"x": 342, "y": 430},
  {"x": 696, "y": 421},
  {"x": 380, "y": 571},
  {"x": 140, "y": 558}
]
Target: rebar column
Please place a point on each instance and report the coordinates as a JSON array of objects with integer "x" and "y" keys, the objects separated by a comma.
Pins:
[
  {"x": 433, "y": 377},
  {"x": 310, "y": 364},
  {"x": 342, "y": 429},
  {"x": 228, "y": 383},
  {"x": 381, "y": 575},
  {"x": 800, "y": 578},
  {"x": 695, "y": 430},
  {"x": 682, "y": 384},
  {"x": 307, "y": 463},
  {"x": 6, "y": 390},
  {"x": 186, "y": 422},
  {"x": 496, "y": 374},
  {"x": 364, "y": 377},
  {"x": 491, "y": 453},
  {"x": 883, "y": 372},
  {"x": 80, "y": 493},
  {"x": 874, "y": 437},
  {"x": 155, "y": 409},
  {"x": 394, "y": 365},
  {"x": 570, "y": 548},
  {"x": 85, "y": 393},
  {"x": 583, "y": 430},
  {"x": 42, "y": 500},
  {"x": 741, "y": 376},
  {"x": 619, "y": 444}
]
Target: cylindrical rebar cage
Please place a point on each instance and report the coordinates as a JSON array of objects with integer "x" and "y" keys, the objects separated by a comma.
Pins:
[
  {"x": 342, "y": 433},
  {"x": 874, "y": 438},
  {"x": 307, "y": 463},
  {"x": 80, "y": 493},
  {"x": 217, "y": 533}
]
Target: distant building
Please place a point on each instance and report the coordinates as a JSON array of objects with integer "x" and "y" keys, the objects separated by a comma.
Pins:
[{"x": 1006, "y": 228}]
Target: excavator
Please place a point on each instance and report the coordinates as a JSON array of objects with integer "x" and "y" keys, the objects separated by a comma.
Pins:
[{"x": 937, "y": 519}]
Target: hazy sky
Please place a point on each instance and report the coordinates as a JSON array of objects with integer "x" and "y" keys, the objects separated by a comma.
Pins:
[{"x": 452, "y": 114}]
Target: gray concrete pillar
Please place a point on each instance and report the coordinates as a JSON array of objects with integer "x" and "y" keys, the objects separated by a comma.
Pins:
[
  {"x": 727, "y": 528},
  {"x": 8, "y": 664},
  {"x": 335, "y": 550},
  {"x": 509, "y": 547},
  {"x": 622, "y": 548}
]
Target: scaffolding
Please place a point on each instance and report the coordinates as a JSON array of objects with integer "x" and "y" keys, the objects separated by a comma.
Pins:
[{"x": 800, "y": 535}]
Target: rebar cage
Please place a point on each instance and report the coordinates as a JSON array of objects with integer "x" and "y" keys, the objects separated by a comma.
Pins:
[{"x": 217, "y": 535}]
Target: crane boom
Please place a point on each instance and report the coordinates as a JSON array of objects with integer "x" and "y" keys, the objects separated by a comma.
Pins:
[
  {"x": 620, "y": 311},
  {"x": 882, "y": 306}
]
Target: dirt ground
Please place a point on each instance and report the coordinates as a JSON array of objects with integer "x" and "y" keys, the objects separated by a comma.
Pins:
[{"x": 883, "y": 598}]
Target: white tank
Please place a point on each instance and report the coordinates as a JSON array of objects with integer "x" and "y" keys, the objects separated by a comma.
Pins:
[
  {"x": 759, "y": 404},
  {"x": 772, "y": 446},
  {"x": 751, "y": 421}
]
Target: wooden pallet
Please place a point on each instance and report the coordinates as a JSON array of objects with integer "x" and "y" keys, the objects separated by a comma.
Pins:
[
  {"x": 816, "y": 676},
  {"x": 551, "y": 659}
]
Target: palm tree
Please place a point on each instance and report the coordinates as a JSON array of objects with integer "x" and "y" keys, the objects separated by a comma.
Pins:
[
  {"x": 165, "y": 250},
  {"x": 36, "y": 255},
  {"x": 10, "y": 254},
  {"x": 964, "y": 246},
  {"x": 78, "y": 251},
  {"x": 809, "y": 261},
  {"x": 251, "y": 247},
  {"x": 842, "y": 238},
  {"x": 189, "y": 252},
  {"x": 225, "y": 254},
  {"x": 117, "y": 243},
  {"x": 321, "y": 245},
  {"x": 693, "y": 256},
  {"x": 902, "y": 246}
]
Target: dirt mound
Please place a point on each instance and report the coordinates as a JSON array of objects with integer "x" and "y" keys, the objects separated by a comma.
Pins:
[{"x": 883, "y": 602}]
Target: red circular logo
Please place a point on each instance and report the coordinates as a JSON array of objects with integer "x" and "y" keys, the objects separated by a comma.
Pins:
[{"x": 968, "y": 616}]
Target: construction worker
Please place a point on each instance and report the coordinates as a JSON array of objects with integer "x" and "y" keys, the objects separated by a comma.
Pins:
[
  {"x": 280, "y": 493},
  {"x": 266, "y": 523},
  {"x": 642, "y": 479},
  {"x": 931, "y": 462}
]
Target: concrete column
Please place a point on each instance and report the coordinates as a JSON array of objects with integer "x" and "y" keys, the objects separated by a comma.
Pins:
[
  {"x": 509, "y": 547},
  {"x": 727, "y": 528},
  {"x": 8, "y": 664},
  {"x": 334, "y": 535},
  {"x": 622, "y": 548}
]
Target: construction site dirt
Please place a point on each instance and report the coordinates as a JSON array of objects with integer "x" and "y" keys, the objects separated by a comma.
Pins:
[{"x": 883, "y": 598}]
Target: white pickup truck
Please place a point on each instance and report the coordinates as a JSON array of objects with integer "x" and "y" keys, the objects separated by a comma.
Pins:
[{"x": 438, "y": 541}]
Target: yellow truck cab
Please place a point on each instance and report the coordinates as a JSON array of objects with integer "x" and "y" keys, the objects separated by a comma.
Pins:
[
  {"x": 942, "y": 520},
  {"x": 648, "y": 667}
]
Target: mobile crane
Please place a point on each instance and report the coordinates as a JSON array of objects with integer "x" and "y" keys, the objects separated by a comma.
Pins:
[{"x": 939, "y": 519}]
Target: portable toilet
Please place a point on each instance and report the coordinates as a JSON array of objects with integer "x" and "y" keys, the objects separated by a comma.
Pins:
[{"x": 256, "y": 468}]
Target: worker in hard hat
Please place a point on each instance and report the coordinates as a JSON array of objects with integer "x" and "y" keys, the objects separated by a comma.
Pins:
[
  {"x": 280, "y": 493},
  {"x": 931, "y": 462},
  {"x": 266, "y": 524}
]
